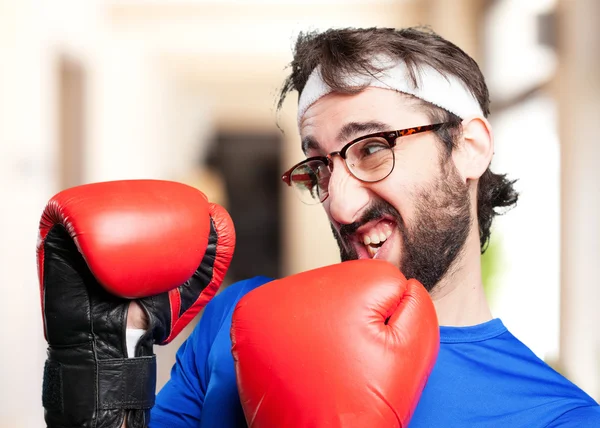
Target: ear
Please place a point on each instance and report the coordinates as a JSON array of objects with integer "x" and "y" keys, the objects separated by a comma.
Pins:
[{"x": 475, "y": 149}]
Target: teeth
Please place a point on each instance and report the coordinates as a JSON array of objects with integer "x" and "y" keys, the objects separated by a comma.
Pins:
[
  {"x": 376, "y": 236},
  {"x": 372, "y": 251}
]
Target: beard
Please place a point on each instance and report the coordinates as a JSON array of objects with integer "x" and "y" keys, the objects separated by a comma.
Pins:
[{"x": 434, "y": 241}]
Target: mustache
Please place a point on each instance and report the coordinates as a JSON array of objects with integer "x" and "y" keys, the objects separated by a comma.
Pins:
[{"x": 377, "y": 210}]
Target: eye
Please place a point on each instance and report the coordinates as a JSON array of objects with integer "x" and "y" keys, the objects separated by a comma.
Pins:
[{"x": 370, "y": 147}]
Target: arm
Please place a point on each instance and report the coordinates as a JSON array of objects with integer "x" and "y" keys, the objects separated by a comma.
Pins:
[
  {"x": 179, "y": 403},
  {"x": 206, "y": 353}
]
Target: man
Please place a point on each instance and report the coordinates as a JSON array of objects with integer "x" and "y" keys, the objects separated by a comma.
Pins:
[
  {"x": 421, "y": 198},
  {"x": 393, "y": 124}
]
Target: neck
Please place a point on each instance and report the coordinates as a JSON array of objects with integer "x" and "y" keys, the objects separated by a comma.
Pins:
[{"x": 459, "y": 298}]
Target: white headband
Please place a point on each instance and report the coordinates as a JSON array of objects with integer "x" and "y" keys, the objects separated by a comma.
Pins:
[{"x": 447, "y": 92}]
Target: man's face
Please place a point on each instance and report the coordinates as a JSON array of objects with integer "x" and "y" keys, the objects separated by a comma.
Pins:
[{"x": 418, "y": 217}]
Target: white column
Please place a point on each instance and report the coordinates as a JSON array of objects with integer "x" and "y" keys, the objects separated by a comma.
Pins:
[
  {"x": 27, "y": 180},
  {"x": 578, "y": 84}
]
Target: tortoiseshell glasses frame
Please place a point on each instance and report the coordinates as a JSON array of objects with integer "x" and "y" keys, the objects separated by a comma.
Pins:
[{"x": 369, "y": 158}]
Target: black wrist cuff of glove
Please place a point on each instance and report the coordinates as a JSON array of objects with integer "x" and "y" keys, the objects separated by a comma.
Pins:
[{"x": 114, "y": 384}]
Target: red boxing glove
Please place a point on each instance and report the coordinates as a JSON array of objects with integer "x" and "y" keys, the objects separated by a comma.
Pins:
[
  {"x": 349, "y": 345},
  {"x": 101, "y": 245}
]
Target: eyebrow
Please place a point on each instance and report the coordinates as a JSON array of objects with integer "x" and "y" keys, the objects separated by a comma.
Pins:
[
  {"x": 348, "y": 131},
  {"x": 310, "y": 143}
]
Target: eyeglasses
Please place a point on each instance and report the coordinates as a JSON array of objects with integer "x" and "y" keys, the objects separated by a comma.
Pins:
[{"x": 369, "y": 158}]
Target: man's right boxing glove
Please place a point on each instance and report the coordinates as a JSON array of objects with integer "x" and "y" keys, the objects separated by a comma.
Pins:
[
  {"x": 349, "y": 345},
  {"x": 100, "y": 246}
]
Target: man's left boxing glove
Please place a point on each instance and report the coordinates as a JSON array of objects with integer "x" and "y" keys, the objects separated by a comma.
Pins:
[
  {"x": 344, "y": 346},
  {"x": 100, "y": 246}
]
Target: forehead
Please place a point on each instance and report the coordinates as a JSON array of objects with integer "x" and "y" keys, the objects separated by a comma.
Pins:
[{"x": 327, "y": 116}]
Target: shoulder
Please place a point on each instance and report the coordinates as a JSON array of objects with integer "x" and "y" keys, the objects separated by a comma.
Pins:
[
  {"x": 216, "y": 317},
  {"x": 534, "y": 365},
  {"x": 553, "y": 386},
  {"x": 509, "y": 378},
  {"x": 229, "y": 297},
  {"x": 580, "y": 417},
  {"x": 222, "y": 305}
]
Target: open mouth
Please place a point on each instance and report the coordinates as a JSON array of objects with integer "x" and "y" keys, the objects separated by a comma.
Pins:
[{"x": 374, "y": 237}]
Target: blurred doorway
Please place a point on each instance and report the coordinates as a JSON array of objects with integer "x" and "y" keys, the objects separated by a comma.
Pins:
[{"x": 250, "y": 166}]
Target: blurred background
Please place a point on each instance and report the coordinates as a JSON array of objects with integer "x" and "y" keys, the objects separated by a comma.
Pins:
[{"x": 185, "y": 90}]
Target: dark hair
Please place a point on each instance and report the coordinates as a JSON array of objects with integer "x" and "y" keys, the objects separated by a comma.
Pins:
[{"x": 343, "y": 52}]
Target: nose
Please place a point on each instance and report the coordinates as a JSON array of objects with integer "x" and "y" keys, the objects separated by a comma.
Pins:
[{"x": 347, "y": 195}]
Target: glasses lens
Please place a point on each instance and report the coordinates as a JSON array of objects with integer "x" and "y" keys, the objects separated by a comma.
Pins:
[
  {"x": 371, "y": 159},
  {"x": 311, "y": 179}
]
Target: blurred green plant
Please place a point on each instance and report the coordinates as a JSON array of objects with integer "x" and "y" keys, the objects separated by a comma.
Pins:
[{"x": 491, "y": 265}]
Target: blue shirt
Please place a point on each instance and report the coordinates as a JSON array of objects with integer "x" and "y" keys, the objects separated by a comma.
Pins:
[{"x": 483, "y": 377}]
